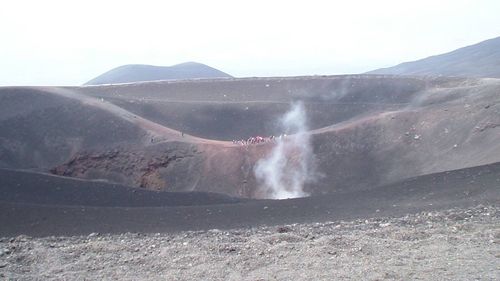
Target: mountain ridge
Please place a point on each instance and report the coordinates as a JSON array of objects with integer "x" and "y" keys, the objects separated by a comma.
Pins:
[
  {"x": 130, "y": 73},
  {"x": 477, "y": 60}
]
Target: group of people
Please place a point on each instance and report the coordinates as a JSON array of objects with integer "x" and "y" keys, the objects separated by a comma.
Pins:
[{"x": 258, "y": 139}]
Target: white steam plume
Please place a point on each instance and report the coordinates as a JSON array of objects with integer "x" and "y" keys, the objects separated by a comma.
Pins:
[{"x": 291, "y": 162}]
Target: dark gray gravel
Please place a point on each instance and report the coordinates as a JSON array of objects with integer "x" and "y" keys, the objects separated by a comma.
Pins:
[{"x": 456, "y": 244}]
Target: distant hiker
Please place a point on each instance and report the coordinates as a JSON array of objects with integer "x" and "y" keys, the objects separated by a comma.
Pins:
[{"x": 182, "y": 134}]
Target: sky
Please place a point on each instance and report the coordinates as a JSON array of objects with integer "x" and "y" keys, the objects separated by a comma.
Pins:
[{"x": 54, "y": 42}]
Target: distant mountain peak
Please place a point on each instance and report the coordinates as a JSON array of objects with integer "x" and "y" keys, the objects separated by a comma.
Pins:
[
  {"x": 478, "y": 60},
  {"x": 142, "y": 72}
]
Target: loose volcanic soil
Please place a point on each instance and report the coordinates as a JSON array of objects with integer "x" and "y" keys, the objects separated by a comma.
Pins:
[
  {"x": 455, "y": 244},
  {"x": 141, "y": 181},
  {"x": 366, "y": 130}
]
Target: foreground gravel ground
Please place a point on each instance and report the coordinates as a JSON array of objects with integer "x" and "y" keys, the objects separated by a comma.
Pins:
[{"x": 457, "y": 244}]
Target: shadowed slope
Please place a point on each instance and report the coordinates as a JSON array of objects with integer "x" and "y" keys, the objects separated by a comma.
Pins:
[
  {"x": 370, "y": 130},
  {"x": 34, "y": 188},
  {"x": 40, "y": 129},
  {"x": 367, "y": 130},
  {"x": 43, "y": 128},
  {"x": 427, "y": 137},
  {"x": 425, "y": 193},
  {"x": 239, "y": 108}
]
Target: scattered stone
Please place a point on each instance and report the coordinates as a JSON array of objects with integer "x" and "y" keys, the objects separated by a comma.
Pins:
[
  {"x": 4, "y": 252},
  {"x": 22, "y": 238},
  {"x": 378, "y": 243},
  {"x": 283, "y": 229},
  {"x": 228, "y": 250},
  {"x": 93, "y": 234}
]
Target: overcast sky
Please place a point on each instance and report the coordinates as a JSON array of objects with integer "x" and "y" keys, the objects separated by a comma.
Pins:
[{"x": 70, "y": 42}]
